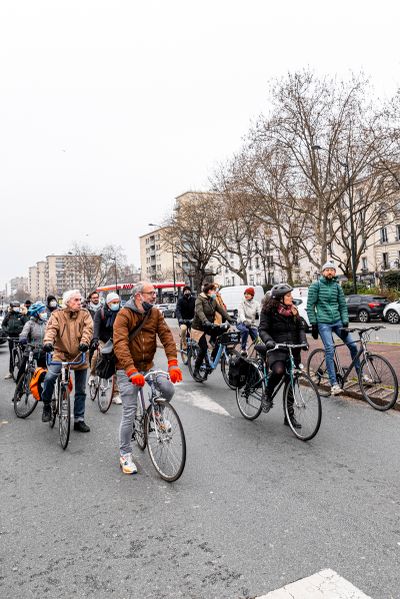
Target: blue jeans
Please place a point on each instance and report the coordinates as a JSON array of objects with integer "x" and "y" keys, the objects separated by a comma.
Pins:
[
  {"x": 80, "y": 389},
  {"x": 325, "y": 331},
  {"x": 245, "y": 331}
]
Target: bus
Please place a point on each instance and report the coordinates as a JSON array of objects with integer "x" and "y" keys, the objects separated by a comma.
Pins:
[{"x": 165, "y": 291}]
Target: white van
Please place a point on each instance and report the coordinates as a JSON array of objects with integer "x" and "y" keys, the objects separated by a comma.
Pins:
[
  {"x": 300, "y": 295},
  {"x": 232, "y": 296}
]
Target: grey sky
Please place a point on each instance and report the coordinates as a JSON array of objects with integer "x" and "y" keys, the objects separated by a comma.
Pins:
[{"x": 108, "y": 110}]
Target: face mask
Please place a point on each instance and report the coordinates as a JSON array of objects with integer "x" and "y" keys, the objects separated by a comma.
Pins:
[
  {"x": 114, "y": 307},
  {"x": 187, "y": 295},
  {"x": 213, "y": 295},
  {"x": 17, "y": 310},
  {"x": 43, "y": 316},
  {"x": 53, "y": 304},
  {"x": 146, "y": 306}
]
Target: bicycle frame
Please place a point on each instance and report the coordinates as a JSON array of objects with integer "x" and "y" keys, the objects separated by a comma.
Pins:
[
  {"x": 362, "y": 351},
  {"x": 290, "y": 366},
  {"x": 63, "y": 377}
]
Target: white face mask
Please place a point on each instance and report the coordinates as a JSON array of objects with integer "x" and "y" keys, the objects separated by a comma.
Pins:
[
  {"x": 43, "y": 316},
  {"x": 17, "y": 310},
  {"x": 53, "y": 304}
]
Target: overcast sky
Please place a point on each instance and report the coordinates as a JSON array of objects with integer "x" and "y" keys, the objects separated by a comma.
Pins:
[{"x": 109, "y": 110}]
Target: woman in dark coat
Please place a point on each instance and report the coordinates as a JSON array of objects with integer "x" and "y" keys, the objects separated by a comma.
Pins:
[{"x": 280, "y": 323}]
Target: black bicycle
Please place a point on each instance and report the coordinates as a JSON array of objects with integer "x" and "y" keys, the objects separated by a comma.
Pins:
[
  {"x": 24, "y": 401},
  {"x": 376, "y": 377},
  {"x": 16, "y": 356},
  {"x": 301, "y": 400},
  {"x": 182, "y": 349}
]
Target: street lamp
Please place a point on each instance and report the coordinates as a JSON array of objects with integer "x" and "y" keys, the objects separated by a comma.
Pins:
[
  {"x": 346, "y": 167},
  {"x": 173, "y": 257},
  {"x": 116, "y": 275}
]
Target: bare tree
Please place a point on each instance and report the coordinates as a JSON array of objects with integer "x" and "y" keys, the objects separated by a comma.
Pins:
[{"x": 98, "y": 268}]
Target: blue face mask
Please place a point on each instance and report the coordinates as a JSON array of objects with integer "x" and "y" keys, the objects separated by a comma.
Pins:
[
  {"x": 115, "y": 307},
  {"x": 213, "y": 295}
]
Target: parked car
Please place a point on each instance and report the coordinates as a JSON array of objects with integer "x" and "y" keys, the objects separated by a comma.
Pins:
[
  {"x": 391, "y": 313},
  {"x": 365, "y": 307},
  {"x": 169, "y": 310},
  {"x": 301, "y": 305}
]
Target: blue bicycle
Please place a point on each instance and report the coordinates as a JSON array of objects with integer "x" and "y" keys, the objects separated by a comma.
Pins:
[{"x": 224, "y": 350}]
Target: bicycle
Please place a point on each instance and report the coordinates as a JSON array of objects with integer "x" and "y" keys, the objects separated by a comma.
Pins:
[
  {"x": 159, "y": 428},
  {"x": 306, "y": 407},
  {"x": 225, "y": 348},
  {"x": 103, "y": 389},
  {"x": 16, "y": 356},
  {"x": 376, "y": 377},
  {"x": 183, "y": 351},
  {"x": 61, "y": 403},
  {"x": 24, "y": 401}
]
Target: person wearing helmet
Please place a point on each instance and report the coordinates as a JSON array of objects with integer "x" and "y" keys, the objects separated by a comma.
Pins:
[
  {"x": 248, "y": 311},
  {"x": 280, "y": 322},
  {"x": 12, "y": 325},
  {"x": 33, "y": 333}
]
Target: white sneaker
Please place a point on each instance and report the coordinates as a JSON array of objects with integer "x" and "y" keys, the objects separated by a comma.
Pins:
[
  {"x": 8, "y": 376},
  {"x": 367, "y": 380},
  {"x": 126, "y": 464},
  {"x": 91, "y": 380},
  {"x": 117, "y": 399},
  {"x": 335, "y": 389}
]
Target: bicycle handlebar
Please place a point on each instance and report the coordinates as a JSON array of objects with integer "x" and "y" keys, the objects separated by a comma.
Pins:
[
  {"x": 51, "y": 362},
  {"x": 361, "y": 332},
  {"x": 152, "y": 373},
  {"x": 288, "y": 346}
]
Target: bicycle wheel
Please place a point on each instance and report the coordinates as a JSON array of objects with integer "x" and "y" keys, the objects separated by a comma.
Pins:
[
  {"x": 304, "y": 407},
  {"x": 94, "y": 388},
  {"x": 105, "y": 394},
  {"x": 378, "y": 382},
  {"x": 140, "y": 425},
  {"x": 54, "y": 412},
  {"x": 16, "y": 364},
  {"x": 248, "y": 397},
  {"x": 317, "y": 371},
  {"x": 64, "y": 417},
  {"x": 24, "y": 401},
  {"x": 192, "y": 357},
  {"x": 184, "y": 353},
  {"x": 225, "y": 361},
  {"x": 166, "y": 442}
]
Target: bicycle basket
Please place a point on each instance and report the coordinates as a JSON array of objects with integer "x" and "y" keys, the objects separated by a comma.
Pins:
[{"x": 231, "y": 338}]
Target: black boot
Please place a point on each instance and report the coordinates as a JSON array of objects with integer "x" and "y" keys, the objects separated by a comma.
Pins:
[
  {"x": 266, "y": 402},
  {"x": 293, "y": 420},
  {"x": 46, "y": 414},
  {"x": 81, "y": 426}
]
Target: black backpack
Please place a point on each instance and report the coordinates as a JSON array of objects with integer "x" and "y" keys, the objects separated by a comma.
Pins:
[{"x": 238, "y": 371}]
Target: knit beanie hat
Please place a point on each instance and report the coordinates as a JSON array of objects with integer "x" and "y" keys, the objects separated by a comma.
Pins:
[
  {"x": 112, "y": 296},
  {"x": 250, "y": 291},
  {"x": 328, "y": 264}
]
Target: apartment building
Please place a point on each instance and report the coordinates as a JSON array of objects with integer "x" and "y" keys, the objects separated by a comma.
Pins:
[{"x": 157, "y": 259}]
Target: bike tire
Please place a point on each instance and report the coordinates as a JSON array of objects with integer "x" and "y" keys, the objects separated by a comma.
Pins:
[
  {"x": 317, "y": 371},
  {"x": 166, "y": 441},
  {"x": 105, "y": 394},
  {"x": 192, "y": 356},
  {"x": 225, "y": 369},
  {"x": 54, "y": 412},
  {"x": 184, "y": 353},
  {"x": 306, "y": 406},
  {"x": 16, "y": 365},
  {"x": 248, "y": 397},
  {"x": 140, "y": 425},
  {"x": 94, "y": 388},
  {"x": 24, "y": 402},
  {"x": 64, "y": 417},
  {"x": 382, "y": 393}
]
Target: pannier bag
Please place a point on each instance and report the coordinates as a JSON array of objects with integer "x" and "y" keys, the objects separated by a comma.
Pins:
[
  {"x": 36, "y": 384},
  {"x": 238, "y": 371},
  {"x": 105, "y": 366}
]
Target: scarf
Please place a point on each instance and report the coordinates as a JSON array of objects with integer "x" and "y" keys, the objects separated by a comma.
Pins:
[
  {"x": 94, "y": 307},
  {"x": 287, "y": 310}
]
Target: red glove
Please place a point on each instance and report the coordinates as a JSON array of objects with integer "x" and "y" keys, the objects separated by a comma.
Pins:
[
  {"x": 136, "y": 378},
  {"x": 175, "y": 373}
]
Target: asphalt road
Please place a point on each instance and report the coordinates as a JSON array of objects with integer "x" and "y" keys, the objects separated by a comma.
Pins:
[{"x": 255, "y": 508}]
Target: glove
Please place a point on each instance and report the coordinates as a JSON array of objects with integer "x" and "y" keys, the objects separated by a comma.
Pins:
[
  {"x": 209, "y": 325},
  {"x": 270, "y": 344},
  {"x": 94, "y": 344},
  {"x": 83, "y": 347},
  {"x": 48, "y": 348},
  {"x": 314, "y": 331},
  {"x": 175, "y": 373},
  {"x": 136, "y": 378},
  {"x": 23, "y": 341}
]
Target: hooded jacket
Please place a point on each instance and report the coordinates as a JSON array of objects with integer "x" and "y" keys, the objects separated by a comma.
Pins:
[
  {"x": 66, "y": 330},
  {"x": 34, "y": 331},
  {"x": 205, "y": 309},
  {"x": 138, "y": 353},
  {"x": 248, "y": 311}
]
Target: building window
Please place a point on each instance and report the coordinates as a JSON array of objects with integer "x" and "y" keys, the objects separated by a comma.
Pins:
[
  {"x": 397, "y": 232},
  {"x": 364, "y": 263},
  {"x": 257, "y": 263},
  {"x": 385, "y": 260},
  {"x": 384, "y": 235}
]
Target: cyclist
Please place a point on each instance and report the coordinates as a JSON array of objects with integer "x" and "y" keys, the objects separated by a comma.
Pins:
[
  {"x": 93, "y": 303},
  {"x": 248, "y": 312},
  {"x": 12, "y": 325},
  {"x": 51, "y": 304},
  {"x": 206, "y": 307},
  {"x": 185, "y": 311},
  {"x": 219, "y": 319},
  {"x": 327, "y": 312},
  {"x": 134, "y": 357},
  {"x": 68, "y": 333},
  {"x": 102, "y": 332},
  {"x": 33, "y": 332},
  {"x": 280, "y": 323}
]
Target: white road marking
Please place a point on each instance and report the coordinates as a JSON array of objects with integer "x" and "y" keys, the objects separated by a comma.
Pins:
[
  {"x": 326, "y": 584},
  {"x": 200, "y": 400}
]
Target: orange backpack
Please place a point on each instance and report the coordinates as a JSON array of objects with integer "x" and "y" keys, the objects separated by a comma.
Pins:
[{"x": 36, "y": 383}]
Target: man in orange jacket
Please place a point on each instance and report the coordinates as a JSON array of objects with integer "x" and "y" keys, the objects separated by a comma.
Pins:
[{"x": 134, "y": 357}]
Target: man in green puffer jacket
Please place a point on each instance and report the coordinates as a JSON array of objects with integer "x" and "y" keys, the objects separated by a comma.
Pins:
[{"x": 327, "y": 312}]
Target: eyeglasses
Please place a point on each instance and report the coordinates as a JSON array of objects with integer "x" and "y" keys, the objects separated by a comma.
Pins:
[{"x": 149, "y": 292}]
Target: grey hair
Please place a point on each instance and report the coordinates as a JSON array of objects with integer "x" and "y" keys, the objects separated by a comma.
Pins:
[
  {"x": 68, "y": 294},
  {"x": 138, "y": 287}
]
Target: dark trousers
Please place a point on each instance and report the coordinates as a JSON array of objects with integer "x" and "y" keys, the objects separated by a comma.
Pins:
[
  {"x": 10, "y": 349},
  {"x": 203, "y": 347}
]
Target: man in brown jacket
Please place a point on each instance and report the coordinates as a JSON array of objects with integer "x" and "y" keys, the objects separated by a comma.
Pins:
[
  {"x": 68, "y": 333},
  {"x": 134, "y": 358}
]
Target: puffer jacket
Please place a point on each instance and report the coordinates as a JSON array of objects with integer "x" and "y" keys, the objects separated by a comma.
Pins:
[
  {"x": 66, "y": 330},
  {"x": 13, "y": 323},
  {"x": 205, "y": 309},
  {"x": 248, "y": 311},
  {"x": 138, "y": 353},
  {"x": 281, "y": 329},
  {"x": 34, "y": 331},
  {"x": 326, "y": 302}
]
